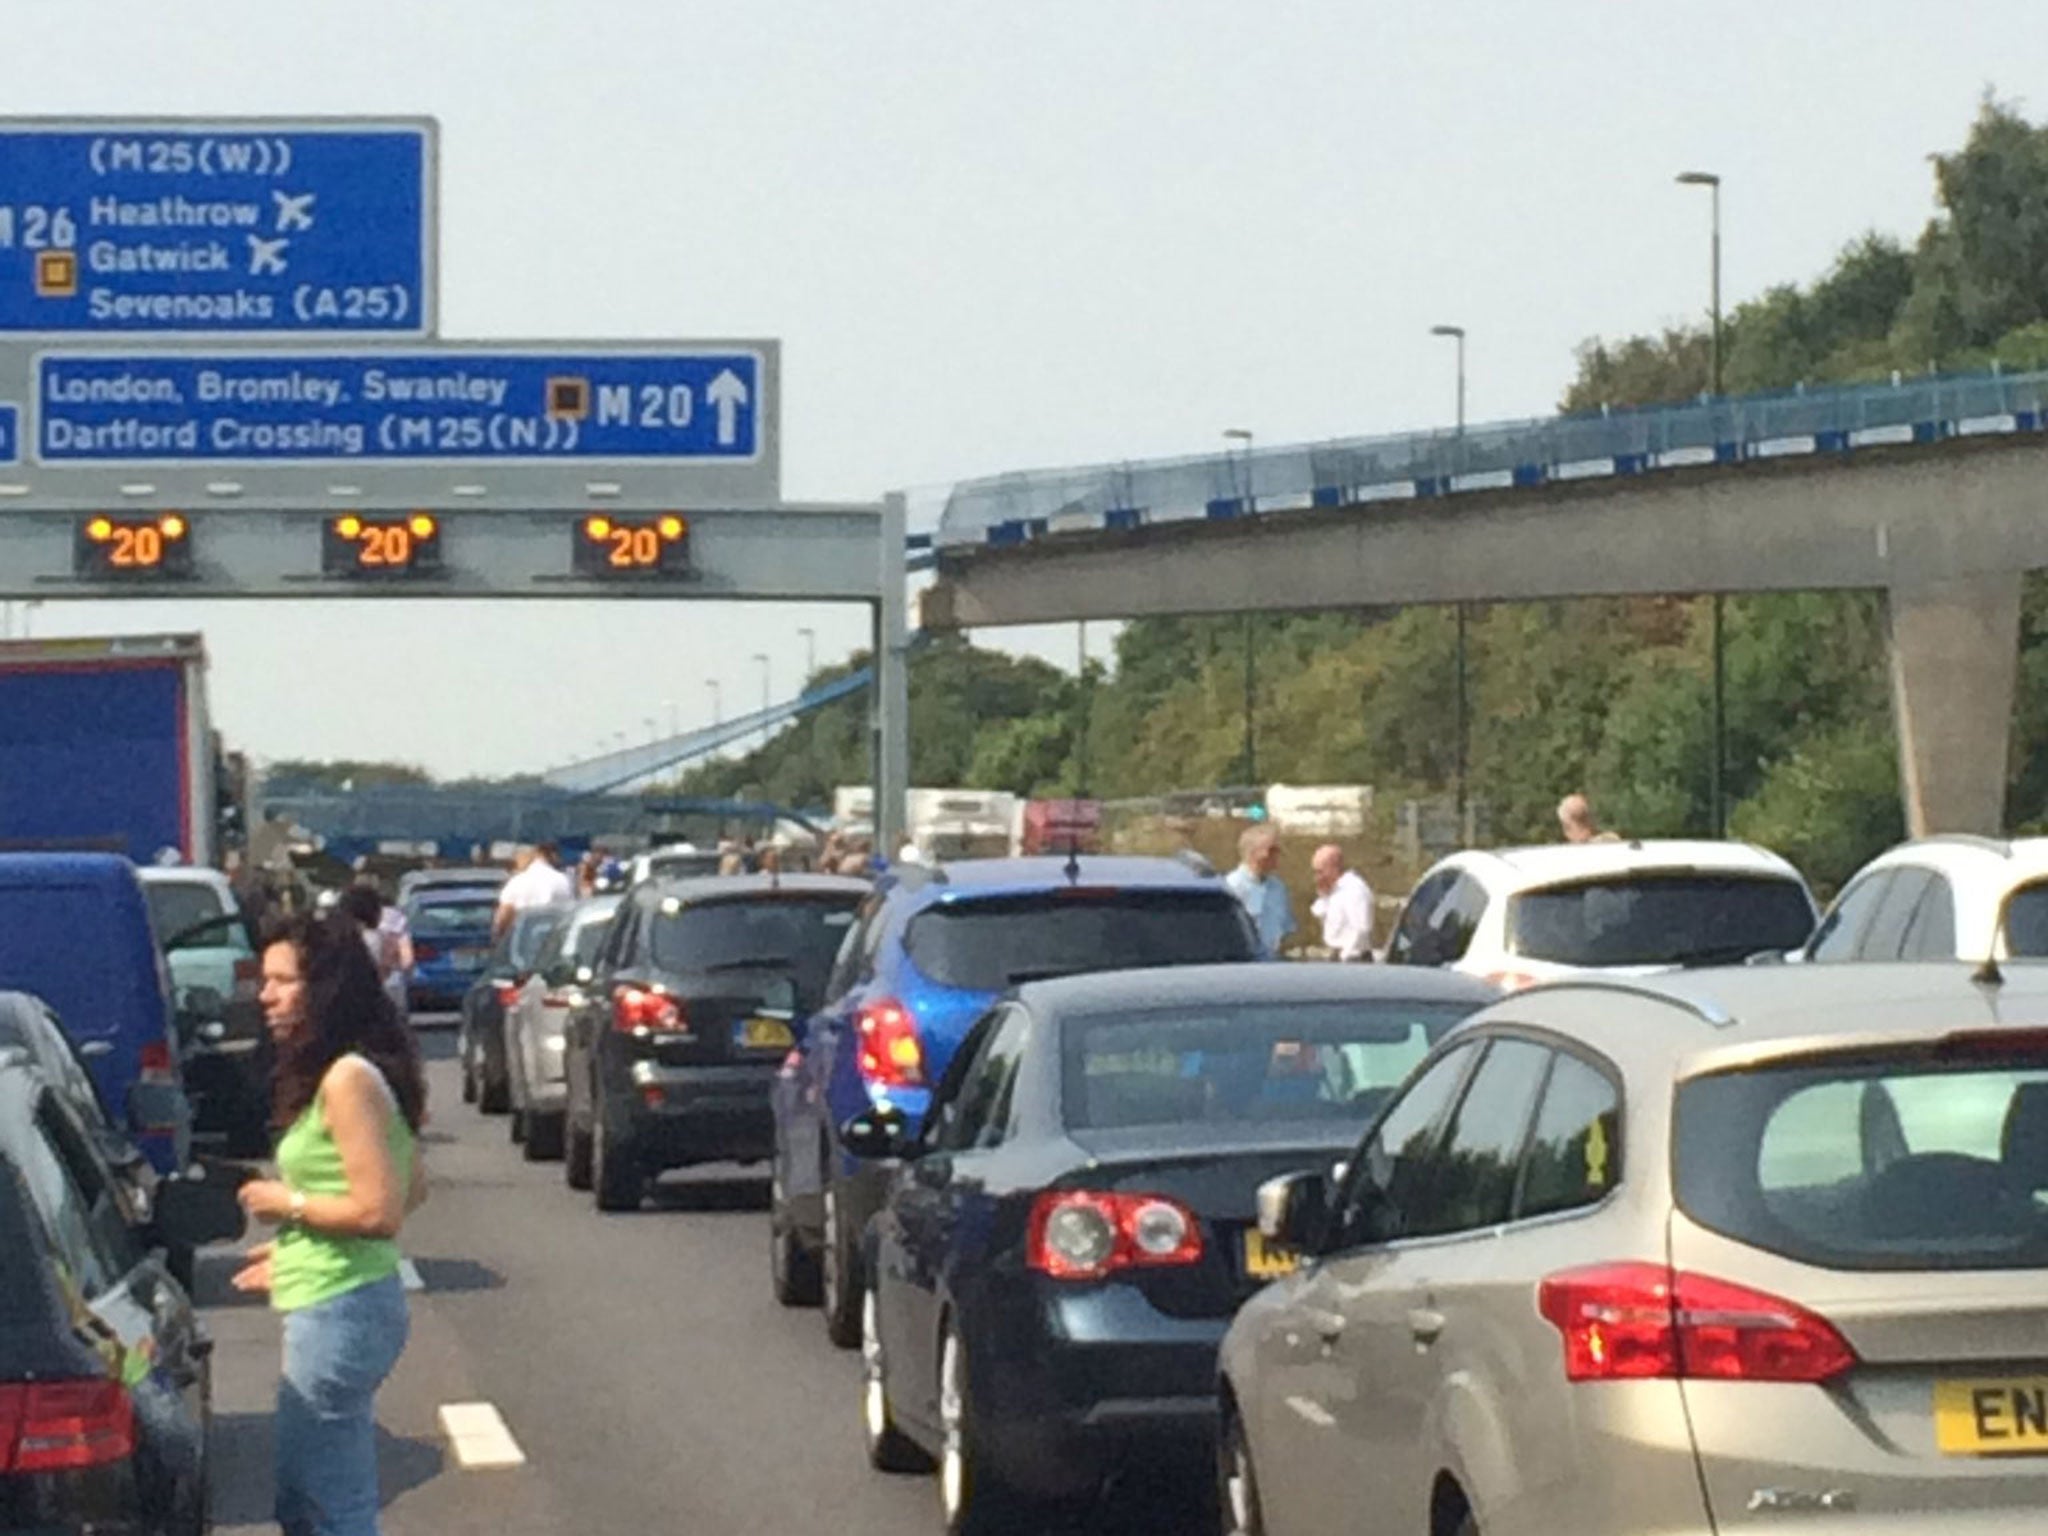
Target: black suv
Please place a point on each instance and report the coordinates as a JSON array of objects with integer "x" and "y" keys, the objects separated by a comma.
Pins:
[
  {"x": 105, "y": 1387},
  {"x": 690, "y": 1010}
]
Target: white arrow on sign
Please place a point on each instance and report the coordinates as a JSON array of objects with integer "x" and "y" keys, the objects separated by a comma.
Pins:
[{"x": 728, "y": 392}]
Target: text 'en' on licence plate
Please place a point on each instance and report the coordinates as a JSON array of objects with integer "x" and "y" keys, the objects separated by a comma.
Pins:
[
  {"x": 1992, "y": 1416},
  {"x": 1262, "y": 1261}
]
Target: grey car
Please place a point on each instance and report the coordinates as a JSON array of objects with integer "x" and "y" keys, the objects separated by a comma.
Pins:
[
  {"x": 1717, "y": 1252},
  {"x": 534, "y": 1021}
]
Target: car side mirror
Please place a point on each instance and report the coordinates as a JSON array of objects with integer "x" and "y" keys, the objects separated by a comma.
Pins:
[
  {"x": 881, "y": 1132},
  {"x": 1293, "y": 1210},
  {"x": 196, "y": 1209},
  {"x": 1770, "y": 957}
]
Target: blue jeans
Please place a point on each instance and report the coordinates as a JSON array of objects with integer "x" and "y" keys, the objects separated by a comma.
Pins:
[{"x": 336, "y": 1356}]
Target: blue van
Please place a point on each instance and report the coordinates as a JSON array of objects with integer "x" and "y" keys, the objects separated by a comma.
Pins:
[{"x": 75, "y": 931}]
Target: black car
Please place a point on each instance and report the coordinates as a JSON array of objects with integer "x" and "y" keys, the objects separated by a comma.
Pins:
[
  {"x": 480, "y": 1039},
  {"x": 105, "y": 1386},
  {"x": 690, "y": 1010},
  {"x": 1065, "y": 1241}
]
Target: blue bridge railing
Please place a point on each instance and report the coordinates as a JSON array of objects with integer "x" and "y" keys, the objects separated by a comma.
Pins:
[{"x": 1837, "y": 419}]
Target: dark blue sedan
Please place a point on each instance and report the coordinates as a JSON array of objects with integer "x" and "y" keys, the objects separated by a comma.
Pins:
[
  {"x": 1068, "y": 1234},
  {"x": 451, "y": 944}
]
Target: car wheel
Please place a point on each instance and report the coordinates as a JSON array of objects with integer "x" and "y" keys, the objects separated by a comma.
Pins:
[
  {"x": 792, "y": 1268},
  {"x": 577, "y": 1155},
  {"x": 615, "y": 1173},
  {"x": 1237, "y": 1484},
  {"x": 973, "y": 1498},
  {"x": 494, "y": 1093},
  {"x": 516, "y": 1126},
  {"x": 543, "y": 1137},
  {"x": 469, "y": 1091},
  {"x": 839, "y": 1280},
  {"x": 889, "y": 1449}
]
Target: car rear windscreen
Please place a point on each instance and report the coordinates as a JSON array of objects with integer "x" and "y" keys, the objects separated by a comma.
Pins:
[
  {"x": 795, "y": 936},
  {"x": 1243, "y": 1062},
  {"x": 2026, "y": 923},
  {"x": 178, "y": 905},
  {"x": 1659, "y": 919},
  {"x": 993, "y": 943},
  {"x": 531, "y": 933},
  {"x": 1930, "y": 1159},
  {"x": 448, "y": 919}
]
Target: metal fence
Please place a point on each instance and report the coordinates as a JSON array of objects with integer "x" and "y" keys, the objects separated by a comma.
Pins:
[{"x": 1838, "y": 419}]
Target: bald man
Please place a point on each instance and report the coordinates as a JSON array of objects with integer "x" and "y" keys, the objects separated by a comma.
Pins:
[
  {"x": 1343, "y": 903},
  {"x": 1576, "y": 820}
]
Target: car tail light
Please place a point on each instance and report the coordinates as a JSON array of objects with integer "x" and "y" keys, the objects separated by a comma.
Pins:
[
  {"x": 636, "y": 1008},
  {"x": 426, "y": 952},
  {"x": 157, "y": 1064},
  {"x": 62, "y": 1426},
  {"x": 508, "y": 993},
  {"x": 1633, "y": 1320},
  {"x": 891, "y": 1055},
  {"x": 1084, "y": 1234},
  {"x": 248, "y": 977},
  {"x": 1511, "y": 981}
]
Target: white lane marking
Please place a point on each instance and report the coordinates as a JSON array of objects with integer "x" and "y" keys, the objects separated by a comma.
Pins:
[
  {"x": 409, "y": 1275},
  {"x": 477, "y": 1434}
]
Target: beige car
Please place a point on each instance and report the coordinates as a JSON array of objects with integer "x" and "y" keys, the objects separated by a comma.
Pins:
[{"x": 1718, "y": 1252}]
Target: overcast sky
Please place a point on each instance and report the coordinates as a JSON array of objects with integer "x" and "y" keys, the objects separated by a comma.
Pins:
[{"x": 995, "y": 237}]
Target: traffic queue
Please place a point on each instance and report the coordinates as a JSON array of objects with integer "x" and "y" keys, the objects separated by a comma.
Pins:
[
  {"x": 1614, "y": 1203},
  {"x": 1630, "y": 1193}
]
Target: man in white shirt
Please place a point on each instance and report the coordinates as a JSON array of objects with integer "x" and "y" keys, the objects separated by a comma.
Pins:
[
  {"x": 1344, "y": 903},
  {"x": 540, "y": 883}
]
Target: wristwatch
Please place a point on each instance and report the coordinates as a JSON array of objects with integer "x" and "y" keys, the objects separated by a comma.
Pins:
[{"x": 297, "y": 1213}]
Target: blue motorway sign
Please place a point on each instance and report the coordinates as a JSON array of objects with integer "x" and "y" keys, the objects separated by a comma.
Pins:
[
  {"x": 217, "y": 228},
  {"x": 408, "y": 405},
  {"x": 10, "y": 433}
]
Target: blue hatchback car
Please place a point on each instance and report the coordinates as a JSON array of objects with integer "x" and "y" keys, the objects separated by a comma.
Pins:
[
  {"x": 451, "y": 945},
  {"x": 75, "y": 931},
  {"x": 930, "y": 949}
]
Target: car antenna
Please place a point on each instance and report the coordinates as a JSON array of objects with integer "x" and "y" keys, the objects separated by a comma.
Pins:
[
  {"x": 1073, "y": 869},
  {"x": 1988, "y": 974}
]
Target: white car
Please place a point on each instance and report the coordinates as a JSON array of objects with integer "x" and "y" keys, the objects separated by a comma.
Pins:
[
  {"x": 680, "y": 860},
  {"x": 533, "y": 1026},
  {"x": 1942, "y": 898},
  {"x": 1522, "y": 915}
]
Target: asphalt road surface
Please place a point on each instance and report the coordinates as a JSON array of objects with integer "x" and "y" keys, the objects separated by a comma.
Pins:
[{"x": 636, "y": 1366}]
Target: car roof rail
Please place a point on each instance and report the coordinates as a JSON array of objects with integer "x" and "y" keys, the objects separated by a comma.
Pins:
[
  {"x": 1705, "y": 1010},
  {"x": 915, "y": 877}
]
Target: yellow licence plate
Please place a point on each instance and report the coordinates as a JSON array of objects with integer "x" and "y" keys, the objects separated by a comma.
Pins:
[
  {"x": 1992, "y": 1416},
  {"x": 1262, "y": 1261},
  {"x": 766, "y": 1034}
]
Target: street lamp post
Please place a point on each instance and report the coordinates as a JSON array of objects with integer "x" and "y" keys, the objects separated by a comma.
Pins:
[
  {"x": 1457, "y": 334},
  {"x": 765, "y": 700},
  {"x": 810, "y": 654},
  {"x": 717, "y": 702},
  {"x": 1716, "y": 788},
  {"x": 1251, "y": 743}
]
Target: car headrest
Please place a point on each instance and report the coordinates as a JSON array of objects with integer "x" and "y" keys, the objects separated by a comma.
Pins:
[{"x": 2023, "y": 1144}]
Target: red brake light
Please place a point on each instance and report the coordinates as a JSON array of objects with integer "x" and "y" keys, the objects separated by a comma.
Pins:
[
  {"x": 1084, "y": 1234},
  {"x": 891, "y": 1055},
  {"x": 60, "y": 1426},
  {"x": 248, "y": 977},
  {"x": 157, "y": 1063},
  {"x": 635, "y": 1009},
  {"x": 1633, "y": 1320},
  {"x": 508, "y": 993},
  {"x": 426, "y": 951}
]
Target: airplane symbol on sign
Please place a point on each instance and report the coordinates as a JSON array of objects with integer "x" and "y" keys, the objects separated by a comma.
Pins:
[
  {"x": 266, "y": 256},
  {"x": 294, "y": 210}
]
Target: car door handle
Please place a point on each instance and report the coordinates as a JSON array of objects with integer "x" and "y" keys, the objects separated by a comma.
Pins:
[{"x": 1425, "y": 1324}]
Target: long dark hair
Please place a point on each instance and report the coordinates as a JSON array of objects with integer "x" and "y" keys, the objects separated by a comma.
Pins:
[{"x": 346, "y": 1011}]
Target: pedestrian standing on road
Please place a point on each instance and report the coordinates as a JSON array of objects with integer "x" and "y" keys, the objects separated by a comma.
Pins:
[
  {"x": 1575, "y": 819},
  {"x": 540, "y": 883},
  {"x": 350, "y": 1098},
  {"x": 388, "y": 937},
  {"x": 1262, "y": 891},
  {"x": 1343, "y": 904}
]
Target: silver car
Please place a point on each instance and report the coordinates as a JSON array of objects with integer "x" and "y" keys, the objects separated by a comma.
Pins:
[
  {"x": 1719, "y": 1252},
  {"x": 533, "y": 1026}
]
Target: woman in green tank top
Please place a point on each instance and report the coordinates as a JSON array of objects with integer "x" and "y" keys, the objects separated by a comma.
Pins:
[{"x": 349, "y": 1099}]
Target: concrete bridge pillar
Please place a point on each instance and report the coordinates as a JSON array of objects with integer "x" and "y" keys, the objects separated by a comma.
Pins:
[{"x": 1955, "y": 647}]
